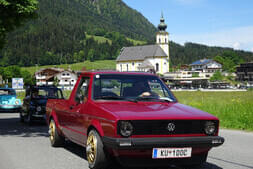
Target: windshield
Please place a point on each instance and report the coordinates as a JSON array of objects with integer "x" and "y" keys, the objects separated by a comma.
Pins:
[
  {"x": 47, "y": 93},
  {"x": 130, "y": 87},
  {"x": 7, "y": 92}
]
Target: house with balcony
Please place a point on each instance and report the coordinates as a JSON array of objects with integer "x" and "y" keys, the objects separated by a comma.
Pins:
[
  {"x": 244, "y": 73},
  {"x": 46, "y": 76},
  {"x": 206, "y": 65},
  {"x": 66, "y": 79}
]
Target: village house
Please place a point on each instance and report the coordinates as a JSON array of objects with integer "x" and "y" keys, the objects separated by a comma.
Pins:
[
  {"x": 56, "y": 76},
  {"x": 46, "y": 76},
  {"x": 148, "y": 58},
  {"x": 66, "y": 78},
  {"x": 244, "y": 73}
]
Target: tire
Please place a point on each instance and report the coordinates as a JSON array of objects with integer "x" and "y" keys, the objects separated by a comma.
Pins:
[
  {"x": 56, "y": 140},
  {"x": 21, "y": 117},
  {"x": 95, "y": 153},
  {"x": 29, "y": 119}
]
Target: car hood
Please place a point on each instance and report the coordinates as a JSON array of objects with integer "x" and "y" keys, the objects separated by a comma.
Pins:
[
  {"x": 154, "y": 111},
  {"x": 9, "y": 100},
  {"x": 41, "y": 102}
]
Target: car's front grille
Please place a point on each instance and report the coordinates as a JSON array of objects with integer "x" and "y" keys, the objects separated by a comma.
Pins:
[{"x": 160, "y": 127}]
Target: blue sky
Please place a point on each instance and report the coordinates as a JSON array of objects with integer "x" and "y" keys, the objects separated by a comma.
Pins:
[{"x": 227, "y": 23}]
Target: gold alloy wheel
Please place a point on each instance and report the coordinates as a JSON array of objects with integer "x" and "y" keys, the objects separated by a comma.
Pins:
[
  {"x": 51, "y": 130},
  {"x": 91, "y": 148}
]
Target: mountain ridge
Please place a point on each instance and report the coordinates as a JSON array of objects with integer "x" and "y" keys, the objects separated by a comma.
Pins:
[{"x": 61, "y": 34}]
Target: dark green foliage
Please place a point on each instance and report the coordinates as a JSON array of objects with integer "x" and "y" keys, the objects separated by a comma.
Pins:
[
  {"x": 13, "y": 14},
  {"x": 58, "y": 35},
  {"x": 15, "y": 72},
  {"x": 229, "y": 60},
  {"x": 217, "y": 76},
  {"x": 191, "y": 52}
]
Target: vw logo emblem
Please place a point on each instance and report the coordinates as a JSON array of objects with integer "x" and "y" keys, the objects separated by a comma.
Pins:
[{"x": 171, "y": 127}]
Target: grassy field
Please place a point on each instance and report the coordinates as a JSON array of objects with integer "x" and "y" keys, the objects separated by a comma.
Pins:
[
  {"x": 103, "y": 64},
  {"x": 99, "y": 39},
  {"x": 136, "y": 42},
  {"x": 234, "y": 109}
]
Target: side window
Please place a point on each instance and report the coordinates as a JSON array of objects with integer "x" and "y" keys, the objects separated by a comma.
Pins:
[{"x": 82, "y": 90}]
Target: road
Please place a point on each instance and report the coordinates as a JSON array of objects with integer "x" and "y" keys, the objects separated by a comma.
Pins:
[{"x": 24, "y": 147}]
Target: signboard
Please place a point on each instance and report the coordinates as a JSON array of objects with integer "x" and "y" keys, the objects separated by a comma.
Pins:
[{"x": 17, "y": 83}]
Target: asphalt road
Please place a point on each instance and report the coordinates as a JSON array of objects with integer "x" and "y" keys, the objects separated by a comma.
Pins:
[{"x": 24, "y": 147}]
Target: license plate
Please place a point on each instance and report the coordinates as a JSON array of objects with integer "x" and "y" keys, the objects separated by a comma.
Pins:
[{"x": 172, "y": 152}]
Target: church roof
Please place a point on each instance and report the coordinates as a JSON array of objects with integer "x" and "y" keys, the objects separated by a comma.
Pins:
[{"x": 140, "y": 52}]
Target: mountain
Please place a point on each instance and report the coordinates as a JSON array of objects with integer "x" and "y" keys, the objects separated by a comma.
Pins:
[
  {"x": 59, "y": 31},
  {"x": 70, "y": 31},
  {"x": 190, "y": 52}
]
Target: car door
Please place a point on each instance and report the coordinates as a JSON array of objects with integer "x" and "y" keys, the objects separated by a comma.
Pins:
[{"x": 77, "y": 110}]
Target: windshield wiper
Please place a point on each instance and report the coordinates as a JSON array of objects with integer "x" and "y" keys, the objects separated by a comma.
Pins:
[{"x": 161, "y": 99}]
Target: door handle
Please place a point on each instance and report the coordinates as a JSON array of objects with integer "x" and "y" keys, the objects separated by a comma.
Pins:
[{"x": 71, "y": 107}]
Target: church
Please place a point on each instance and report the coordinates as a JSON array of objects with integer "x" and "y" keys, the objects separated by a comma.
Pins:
[{"x": 148, "y": 58}]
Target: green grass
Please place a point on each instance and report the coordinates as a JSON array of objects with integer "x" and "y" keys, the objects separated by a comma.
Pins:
[
  {"x": 234, "y": 109},
  {"x": 102, "y": 64},
  {"x": 99, "y": 39},
  {"x": 136, "y": 42}
]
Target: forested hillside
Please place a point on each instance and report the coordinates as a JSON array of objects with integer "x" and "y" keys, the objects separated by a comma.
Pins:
[
  {"x": 58, "y": 34},
  {"x": 191, "y": 52},
  {"x": 70, "y": 31}
]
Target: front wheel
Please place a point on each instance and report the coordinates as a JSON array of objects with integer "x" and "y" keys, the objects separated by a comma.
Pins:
[
  {"x": 95, "y": 153},
  {"x": 56, "y": 140},
  {"x": 21, "y": 117}
]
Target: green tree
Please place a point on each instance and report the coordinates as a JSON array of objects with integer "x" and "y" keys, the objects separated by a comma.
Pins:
[
  {"x": 14, "y": 14},
  {"x": 91, "y": 55},
  {"x": 217, "y": 77},
  {"x": 27, "y": 77}
]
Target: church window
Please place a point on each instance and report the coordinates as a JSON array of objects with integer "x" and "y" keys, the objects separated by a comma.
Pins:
[
  {"x": 159, "y": 40},
  {"x": 165, "y": 40},
  {"x": 121, "y": 68},
  {"x": 157, "y": 67},
  {"x": 164, "y": 63},
  {"x": 133, "y": 63},
  {"x": 127, "y": 67}
]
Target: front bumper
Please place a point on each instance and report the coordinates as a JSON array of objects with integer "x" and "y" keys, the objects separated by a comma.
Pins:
[
  {"x": 10, "y": 108},
  {"x": 147, "y": 143}
]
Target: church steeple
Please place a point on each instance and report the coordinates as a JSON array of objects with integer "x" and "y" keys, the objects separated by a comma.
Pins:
[
  {"x": 162, "y": 38},
  {"x": 162, "y": 26}
]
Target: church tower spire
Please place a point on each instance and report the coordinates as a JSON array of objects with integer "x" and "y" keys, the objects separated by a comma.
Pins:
[
  {"x": 162, "y": 26},
  {"x": 162, "y": 37}
]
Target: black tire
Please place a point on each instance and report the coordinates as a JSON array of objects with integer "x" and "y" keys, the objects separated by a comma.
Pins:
[
  {"x": 56, "y": 140},
  {"x": 100, "y": 159},
  {"x": 29, "y": 119},
  {"x": 21, "y": 117}
]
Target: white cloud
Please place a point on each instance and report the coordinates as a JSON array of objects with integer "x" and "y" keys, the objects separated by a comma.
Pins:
[
  {"x": 237, "y": 38},
  {"x": 236, "y": 45}
]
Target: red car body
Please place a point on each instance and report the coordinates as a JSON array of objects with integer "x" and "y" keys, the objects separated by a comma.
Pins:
[{"x": 74, "y": 120}]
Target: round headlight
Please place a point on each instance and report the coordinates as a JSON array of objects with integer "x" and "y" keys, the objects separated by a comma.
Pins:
[
  {"x": 126, "y": 128},
  {"x": 16, "y": 102},
  {"x": 210, "y": 128},
  {"x": 38, "y": 108}
]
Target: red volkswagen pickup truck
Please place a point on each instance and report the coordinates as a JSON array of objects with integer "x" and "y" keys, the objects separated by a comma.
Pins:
[{"x": 133, "y": 118}]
